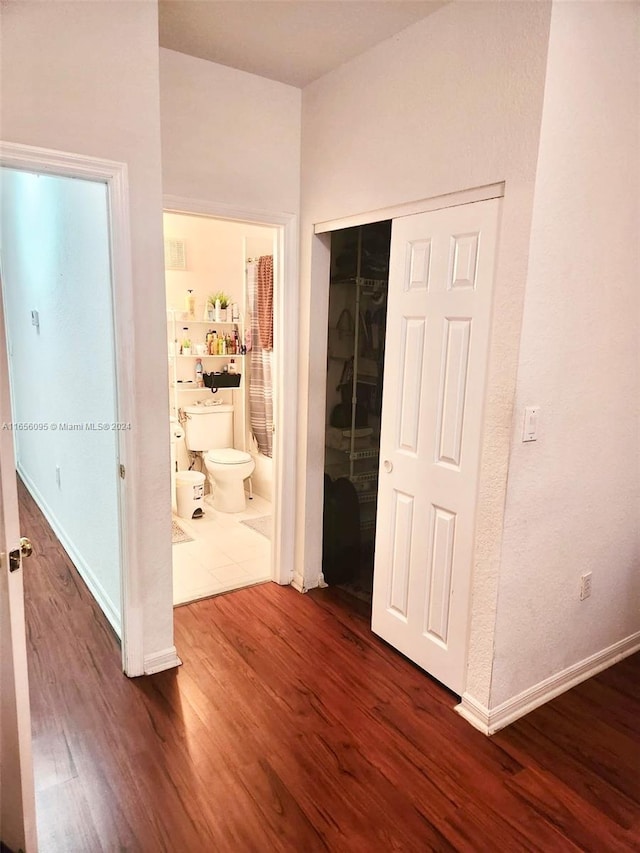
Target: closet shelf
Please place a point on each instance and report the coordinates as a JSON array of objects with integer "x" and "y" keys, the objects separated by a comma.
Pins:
[
  {"x": 364, "y": 477},
  {"x": 369, "y": 453}
]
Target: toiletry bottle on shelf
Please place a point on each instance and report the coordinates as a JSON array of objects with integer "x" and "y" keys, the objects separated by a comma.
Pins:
[
  {"x": 232, "y": 366},
  {"x": 190, "y": 305},
  {"x": 199, "y": 372}
]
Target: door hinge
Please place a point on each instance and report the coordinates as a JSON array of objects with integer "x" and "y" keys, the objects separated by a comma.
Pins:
[{"x": 122, "y": 471}]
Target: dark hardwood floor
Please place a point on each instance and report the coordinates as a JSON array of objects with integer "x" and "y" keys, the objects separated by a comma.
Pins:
[{"x": 291, "y": 727}]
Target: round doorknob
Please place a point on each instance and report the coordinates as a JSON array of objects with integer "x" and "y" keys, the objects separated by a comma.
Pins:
[
  {"x": 26, "y": 548},
  {"x": 388, "y": 466}
]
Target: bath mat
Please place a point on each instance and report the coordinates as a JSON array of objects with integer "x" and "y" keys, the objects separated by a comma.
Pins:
[
  {"x": 261, "y": 525},
  {"x": 178, "y": 534}
]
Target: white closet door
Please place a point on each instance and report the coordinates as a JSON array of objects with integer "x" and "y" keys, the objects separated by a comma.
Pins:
[{"x": 438, "y": 323}]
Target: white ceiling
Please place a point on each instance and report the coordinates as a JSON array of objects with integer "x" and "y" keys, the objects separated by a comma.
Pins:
[{"x": 294, "y": 41}]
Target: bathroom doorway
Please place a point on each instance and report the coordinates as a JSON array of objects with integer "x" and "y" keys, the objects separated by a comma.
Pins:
[{"x": 221, "y": 281}]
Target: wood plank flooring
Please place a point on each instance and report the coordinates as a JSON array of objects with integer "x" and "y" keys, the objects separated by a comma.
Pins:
[{"x": 290, "y": 727}]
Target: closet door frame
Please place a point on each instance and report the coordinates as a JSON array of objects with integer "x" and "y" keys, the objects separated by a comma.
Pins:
[{"x": 320, "y": 272}]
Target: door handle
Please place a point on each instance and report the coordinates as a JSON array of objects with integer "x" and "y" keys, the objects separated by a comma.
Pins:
[
  {"x": 25, "y": 550},
  {"x": 388, "y": 465}
]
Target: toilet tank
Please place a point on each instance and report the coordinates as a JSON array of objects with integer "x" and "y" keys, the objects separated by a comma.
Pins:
[{"x": 208, "y": 427}]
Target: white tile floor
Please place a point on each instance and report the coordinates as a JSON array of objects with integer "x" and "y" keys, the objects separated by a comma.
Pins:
[{"x": 224, "y": 554}]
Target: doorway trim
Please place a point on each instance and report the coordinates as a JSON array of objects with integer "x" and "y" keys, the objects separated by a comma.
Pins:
[
  {"x": 28, "y": 158},
  {"x": 285, "y": 333},
  {"x": 438, "y": 202}
]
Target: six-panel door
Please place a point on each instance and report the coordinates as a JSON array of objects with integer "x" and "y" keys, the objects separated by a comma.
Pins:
[{"x": 439, "y": 311}]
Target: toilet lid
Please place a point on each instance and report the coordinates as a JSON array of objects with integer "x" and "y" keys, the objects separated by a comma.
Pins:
[{"x": 228, "y": 456}]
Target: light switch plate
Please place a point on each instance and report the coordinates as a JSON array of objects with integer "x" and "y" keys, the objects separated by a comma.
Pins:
[{"x": 530, "y": 426}]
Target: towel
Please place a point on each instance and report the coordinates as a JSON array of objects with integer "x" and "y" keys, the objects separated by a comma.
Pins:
[{"x": 265, "y": 301}]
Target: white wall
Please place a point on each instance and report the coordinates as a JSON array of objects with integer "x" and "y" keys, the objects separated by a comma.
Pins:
[
  {"x": 452, "y": 102},
  {"x": 216, "y": 257},
  {"x": 228, "y": 136},
  {"x": 573, "y": 497},
  {"x": 55, "y": 259},
  {"x": 83, "y": 77}
]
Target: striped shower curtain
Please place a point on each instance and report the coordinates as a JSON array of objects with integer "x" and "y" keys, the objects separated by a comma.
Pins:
[{"x": 260, "y": 293}]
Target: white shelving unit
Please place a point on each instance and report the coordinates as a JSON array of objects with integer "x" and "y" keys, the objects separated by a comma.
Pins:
[{"x": 182, "y": 382}]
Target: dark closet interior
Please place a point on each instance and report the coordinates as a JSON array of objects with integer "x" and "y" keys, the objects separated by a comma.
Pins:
[{"x": 355, "y": 364}]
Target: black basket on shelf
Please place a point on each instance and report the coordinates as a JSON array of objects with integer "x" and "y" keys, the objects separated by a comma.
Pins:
[{"x": 221, "y": 380}]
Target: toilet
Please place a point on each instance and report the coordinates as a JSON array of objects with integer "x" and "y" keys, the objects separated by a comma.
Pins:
[{"x": 209, "y": 431}]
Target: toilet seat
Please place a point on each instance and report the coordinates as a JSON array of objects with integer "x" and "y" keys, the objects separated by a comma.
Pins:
[{"x": 228, "y": 456}]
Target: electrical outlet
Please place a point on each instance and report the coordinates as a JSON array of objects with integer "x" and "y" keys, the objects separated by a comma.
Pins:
[{"x": 585, "y": 586}]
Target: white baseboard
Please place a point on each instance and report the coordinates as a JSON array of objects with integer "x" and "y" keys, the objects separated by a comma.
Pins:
[
  {"x": 93, "y": 584},
  {"x": 492, "y": 720},
  {"x": 297, "y": 582},
  {"x": 159, "y": 661}
]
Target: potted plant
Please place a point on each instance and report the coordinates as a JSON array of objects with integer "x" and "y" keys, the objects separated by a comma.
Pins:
[{"x": 219, "y": 301}]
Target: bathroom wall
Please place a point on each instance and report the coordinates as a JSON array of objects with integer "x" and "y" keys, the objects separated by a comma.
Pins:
[
  {"x": 215, "y": 260},
  {"x": 55, "y": 252}
]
